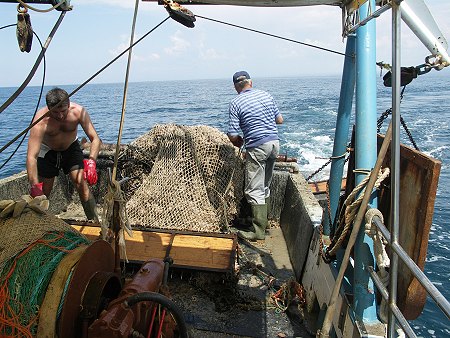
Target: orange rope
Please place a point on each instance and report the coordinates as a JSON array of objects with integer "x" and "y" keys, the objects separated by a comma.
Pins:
[{"x": 10, "y": 317}]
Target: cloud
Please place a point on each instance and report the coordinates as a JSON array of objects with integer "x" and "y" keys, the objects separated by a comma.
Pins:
[
  {"x": 136, "y": 52},
  {"x": 210, "y": 54},
  {"x": 179, "y": 45}
]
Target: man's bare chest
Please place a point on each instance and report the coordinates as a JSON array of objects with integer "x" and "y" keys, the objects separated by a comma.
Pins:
[{"x": 56, "y": 129}]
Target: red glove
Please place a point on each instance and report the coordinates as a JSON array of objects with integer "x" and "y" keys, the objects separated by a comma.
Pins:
[
  {"x": 90, "y": 171},
  {"x": 36, "y": 190}
]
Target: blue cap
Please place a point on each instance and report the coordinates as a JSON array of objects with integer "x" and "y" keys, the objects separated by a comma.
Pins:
[{"x": 240, "y": 76}]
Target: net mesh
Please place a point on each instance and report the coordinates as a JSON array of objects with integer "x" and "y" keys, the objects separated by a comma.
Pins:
[
  {"x": 182, "y": 178},
  {"x": 32, "y": 245}
]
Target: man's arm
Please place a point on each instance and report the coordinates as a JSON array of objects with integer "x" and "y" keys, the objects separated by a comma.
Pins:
[
  {"x": 91, "y": 133},
  {"x": 34, "y": 146}
]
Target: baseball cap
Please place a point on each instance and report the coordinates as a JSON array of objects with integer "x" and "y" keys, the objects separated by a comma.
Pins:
[{"x": 239, "y": 76}]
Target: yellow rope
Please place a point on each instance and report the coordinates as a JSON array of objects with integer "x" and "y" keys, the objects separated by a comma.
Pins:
[{"x": 352, "y": 206}]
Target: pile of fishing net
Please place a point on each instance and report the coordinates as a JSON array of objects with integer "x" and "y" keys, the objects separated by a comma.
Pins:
[
  {"x": 32, "y": 244},
  {"x": 182, "y": 178}
]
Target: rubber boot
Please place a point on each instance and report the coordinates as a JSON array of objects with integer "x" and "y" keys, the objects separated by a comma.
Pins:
[
  {"x": 267, "y": 200},
  {"x": 269, "y": 208},
  {"x": 259, "y": 222},
  {"x": 90, "y": 209}
]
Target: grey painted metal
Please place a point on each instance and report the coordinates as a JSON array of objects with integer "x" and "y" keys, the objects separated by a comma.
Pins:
[
  {"x": 417, "y": 16},
  {"x": 385, "y": 294},
  {"x": 374, "y": 15},
  {"x": 44, "y": 2},
  {"x": 434, "y": 293},
  {"x": 395, "y": 163},
  {"x": 261, "y": 3}
]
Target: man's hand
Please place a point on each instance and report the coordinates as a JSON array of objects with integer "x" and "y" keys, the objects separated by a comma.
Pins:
[
  {"x": 237, "y": 141},
  {"x": 90, "y": 171},
  {"x": 36, "y": 190}
]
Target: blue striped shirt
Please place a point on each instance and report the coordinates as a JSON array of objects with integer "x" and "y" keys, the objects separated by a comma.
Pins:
[{"x": 254, "y": 112}]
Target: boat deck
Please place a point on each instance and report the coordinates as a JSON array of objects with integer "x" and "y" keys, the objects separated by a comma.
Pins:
[
  {"x": 217, "y": 305},
  {"x": 239, "y": 302}
]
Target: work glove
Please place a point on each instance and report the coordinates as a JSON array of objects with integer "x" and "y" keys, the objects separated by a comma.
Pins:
[
  {"x": 36, "y": 190},
  {"x": 90, "y": 171},
  {"x": 14, "y": 209}
]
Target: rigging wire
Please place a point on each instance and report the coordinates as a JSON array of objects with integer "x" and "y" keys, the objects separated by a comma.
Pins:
[
  {"x": 35, "y": 110},
  {"x": 83, "y": 84},
  {"x": 274, "y": 36},
  {"x": 125, "y": 90},
  {"x": 12, "y": 98},
  {"x": 36, "y": 65}
]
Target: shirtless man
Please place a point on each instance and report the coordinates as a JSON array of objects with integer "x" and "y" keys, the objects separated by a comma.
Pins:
[{"x": 53, "y": 146}]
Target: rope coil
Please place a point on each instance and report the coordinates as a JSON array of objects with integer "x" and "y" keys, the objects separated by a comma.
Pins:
[
  {"x": 350, "y": 209},
  {"x": 381, "y": 256}
]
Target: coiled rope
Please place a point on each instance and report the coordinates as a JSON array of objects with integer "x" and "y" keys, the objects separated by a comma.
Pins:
[
  {"x": 350, "y": 209},
  {"x": 381, "y": 256}
]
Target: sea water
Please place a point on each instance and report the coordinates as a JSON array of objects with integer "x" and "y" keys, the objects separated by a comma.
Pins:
[{"x": 309, "y": 107}]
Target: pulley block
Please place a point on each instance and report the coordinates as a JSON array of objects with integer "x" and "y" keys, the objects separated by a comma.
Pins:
[
  {"x": 24, "y": 30},
  {"x": 180, "y": 14}
]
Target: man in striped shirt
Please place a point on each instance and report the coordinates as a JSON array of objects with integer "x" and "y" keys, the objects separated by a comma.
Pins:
[{"x": 256, "y": 114}]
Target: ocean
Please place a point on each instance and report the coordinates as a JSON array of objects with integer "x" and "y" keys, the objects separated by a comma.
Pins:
[{"x": 309, "y": 107}]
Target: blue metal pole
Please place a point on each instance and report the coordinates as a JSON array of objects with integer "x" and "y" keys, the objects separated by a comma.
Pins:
[
  {"x": 364, "y": 302},
  {"x": 342, "y": 127}
]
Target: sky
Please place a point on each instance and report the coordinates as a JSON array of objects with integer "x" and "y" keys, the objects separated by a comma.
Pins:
[{"x": 96, "y": 31}]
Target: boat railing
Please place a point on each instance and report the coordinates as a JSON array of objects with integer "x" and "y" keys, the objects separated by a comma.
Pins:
[{"x": 432, "y": 291}]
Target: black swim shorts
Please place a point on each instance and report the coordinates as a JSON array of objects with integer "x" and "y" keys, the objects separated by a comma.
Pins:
[{"x": 50, "y": 162}]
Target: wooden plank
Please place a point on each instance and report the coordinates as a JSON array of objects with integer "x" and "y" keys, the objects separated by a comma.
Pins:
[
  {"x": 192, "y": 250},
  {"x": 320, "y": 187},
  {"x": 419, "y": 175}
]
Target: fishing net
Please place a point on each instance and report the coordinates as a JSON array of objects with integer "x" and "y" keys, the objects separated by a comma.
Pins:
[
  {"x": 182, "y": 178},
  {"x": 31, "y": 246}
]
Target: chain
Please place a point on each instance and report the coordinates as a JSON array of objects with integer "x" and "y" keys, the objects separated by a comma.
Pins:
[
  {"x": 385, "y": 115},
  {"x": 318, "y": 170},
  {"x": 408, "y": 133},
  {"x": 327, "y": 163}
]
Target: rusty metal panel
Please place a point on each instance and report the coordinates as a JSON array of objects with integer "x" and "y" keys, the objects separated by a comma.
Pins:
[{"x": 419, "y": 175}]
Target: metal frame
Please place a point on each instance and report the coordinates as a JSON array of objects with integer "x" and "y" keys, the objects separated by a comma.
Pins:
[
  {"x": 394, "y": 312},
  {"x": 433, "y": 292}
]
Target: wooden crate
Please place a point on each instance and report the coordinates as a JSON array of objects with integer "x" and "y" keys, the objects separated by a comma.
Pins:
[{"x": 201, "y": 251}]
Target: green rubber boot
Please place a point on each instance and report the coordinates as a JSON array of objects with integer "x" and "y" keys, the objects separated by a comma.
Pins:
[
  {"x": 269, "y": 207},
  {"x": 90, "y": 209},
  {"x": 259, "y": 222}
]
